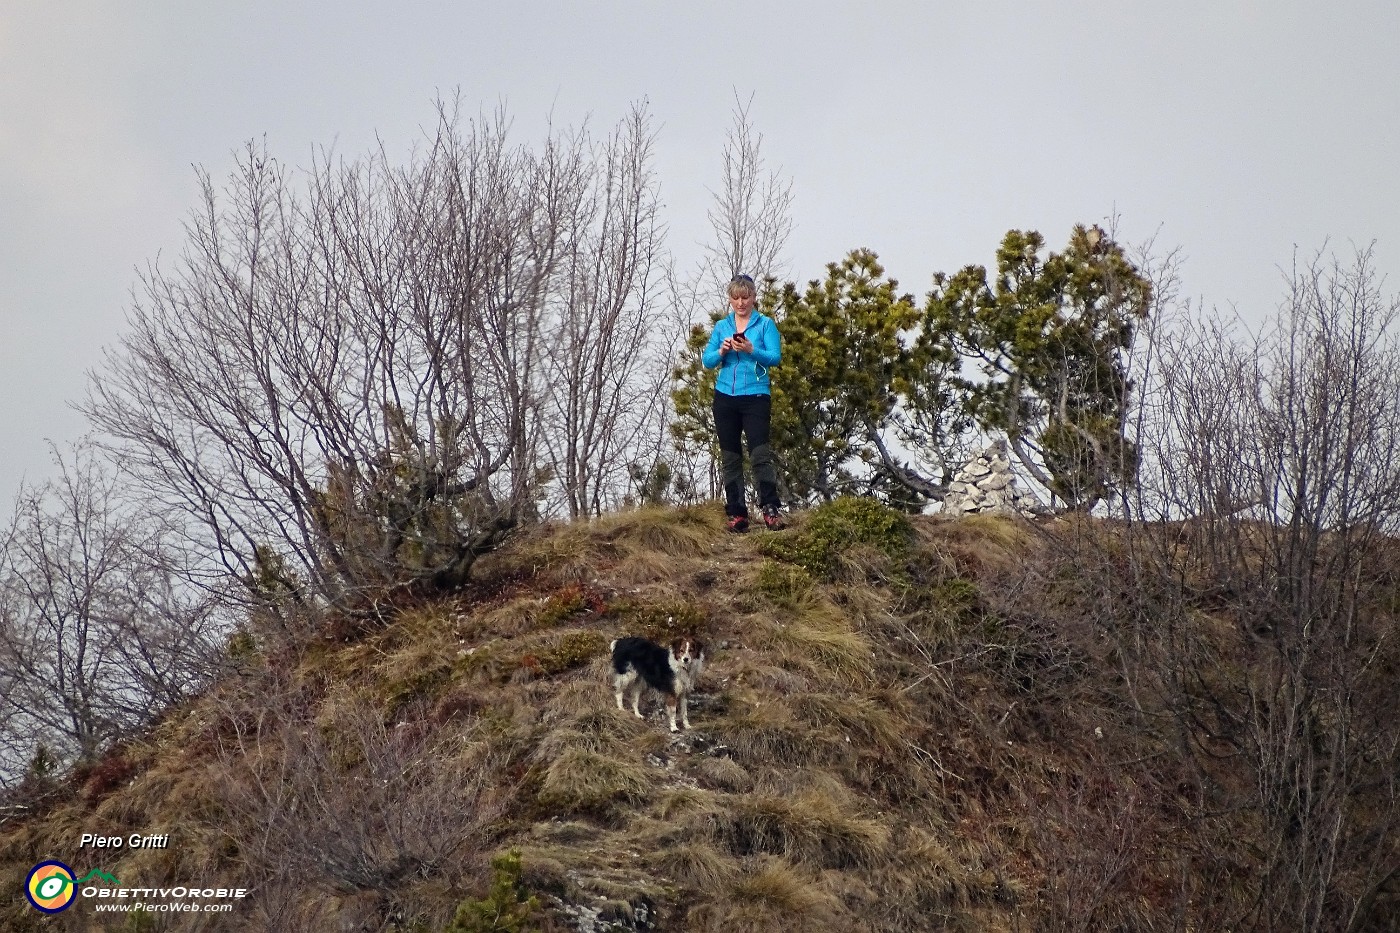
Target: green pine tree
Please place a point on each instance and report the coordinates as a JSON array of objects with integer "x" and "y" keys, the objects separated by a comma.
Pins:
[
  {"x": 842, "y": 359},
  {"x": 1050, "y": 335},
  {"x": 507, "y": 908}
]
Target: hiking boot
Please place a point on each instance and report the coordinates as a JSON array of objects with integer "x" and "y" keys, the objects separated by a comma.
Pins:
[
  {"x": 738, "y": 524},
  {"x": 772, "y": 519}
]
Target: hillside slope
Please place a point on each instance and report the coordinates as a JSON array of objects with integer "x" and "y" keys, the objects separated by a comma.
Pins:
[{"x": 905, "y": 724}]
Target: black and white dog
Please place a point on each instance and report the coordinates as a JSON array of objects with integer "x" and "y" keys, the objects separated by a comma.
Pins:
[{"x": 638, "y": 663}]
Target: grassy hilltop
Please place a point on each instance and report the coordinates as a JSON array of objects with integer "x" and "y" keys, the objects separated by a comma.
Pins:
[{"x": 906, "y": 723}]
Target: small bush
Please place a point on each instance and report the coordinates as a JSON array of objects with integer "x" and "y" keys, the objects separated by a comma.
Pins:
[
  {"x": 836, "y": 526},
  {"x": 425, "y": 683},
  {"x": 41, "y": 786},
  {"x": 785, "y": 584},
  {"x": 955, "y": 596},
  {"x": 140, "y": 920},
  {"x": 242, "y": 647},
  {"x": 662, "y": 622},
  {"x": 106, "y": 775},
  {"x": 506, "y": 909},
  {"x": 572, "y": 600},
  {"x": 486, "y": 662},
  {"x": 574, "y": 649},
  {"x": 945, "y": 611}
]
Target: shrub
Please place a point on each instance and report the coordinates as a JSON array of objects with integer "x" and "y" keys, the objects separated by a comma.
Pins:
[
  {"x": 838, "y": 525},
  {"x": 242, "y": 647},
  {"x": 570, "y": 601},
  {"x": 505, "y": 909},
  {"x": 662, "y": 622},
  {"x": 105, "y": 775},
  {"x": 783, "y": 583},
  {"x": 574, "y": 649},
  {"x": 140, "y": 920},
  {"x": 427, "y": 682}
]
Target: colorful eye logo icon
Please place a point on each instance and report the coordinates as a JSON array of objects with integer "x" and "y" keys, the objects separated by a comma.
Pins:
[{"x": 50, "y": 887}]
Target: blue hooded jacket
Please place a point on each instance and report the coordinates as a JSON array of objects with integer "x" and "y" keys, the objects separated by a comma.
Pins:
[{"x": 744, "y": 373}]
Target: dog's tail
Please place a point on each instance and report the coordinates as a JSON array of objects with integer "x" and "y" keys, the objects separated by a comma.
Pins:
[{"x": 612, "y": 645}]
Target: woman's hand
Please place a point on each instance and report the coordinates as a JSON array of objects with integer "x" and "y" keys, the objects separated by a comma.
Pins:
[{"x": 741, "y": 343}]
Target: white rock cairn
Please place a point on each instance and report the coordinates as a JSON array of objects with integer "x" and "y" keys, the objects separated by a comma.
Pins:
[{"x": 987, "y": 485}]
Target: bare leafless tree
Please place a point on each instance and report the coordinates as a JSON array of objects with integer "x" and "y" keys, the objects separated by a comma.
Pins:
[
  {"x": 1270, "y": 498},
  {"x": 99, "y": 627},
  {"x": 354, "y": 384},
  {"x": 752, "y": 211},
  {"x": 608, "y": 345}
]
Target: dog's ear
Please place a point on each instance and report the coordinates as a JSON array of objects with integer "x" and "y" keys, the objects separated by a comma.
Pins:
[{"x": 681, "y": 646}]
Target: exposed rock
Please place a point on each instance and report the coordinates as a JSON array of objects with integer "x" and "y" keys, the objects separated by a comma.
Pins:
[
  {"x": 996, "y": 481},
  {"x": 609, "y": 916},
  {"x": 986, "y": 484}
]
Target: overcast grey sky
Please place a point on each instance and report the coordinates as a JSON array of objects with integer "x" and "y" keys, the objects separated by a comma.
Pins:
[{"x": 1231, "y": 129}]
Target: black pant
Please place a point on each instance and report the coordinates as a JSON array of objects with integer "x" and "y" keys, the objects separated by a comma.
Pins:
[{"x": 748, "y": 415}]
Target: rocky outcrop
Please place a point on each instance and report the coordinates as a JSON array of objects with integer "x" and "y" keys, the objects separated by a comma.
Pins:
[{"x": 986, "y": 484}]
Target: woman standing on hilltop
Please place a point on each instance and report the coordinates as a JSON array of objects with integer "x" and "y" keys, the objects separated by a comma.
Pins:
[{"x": 743, "y": 345}]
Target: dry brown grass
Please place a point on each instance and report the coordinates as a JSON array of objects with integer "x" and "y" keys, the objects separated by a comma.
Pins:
[
  {"x": 585, "y": 783},
  {"x": 931, "y": 881},
  {"x": 864, "y": 565},
  {"x": 580, "y": 696},
  {"x": 818, "y": 639},
  {"x": 643, "y": 568},
  {"x": 513, "y": 618},
  {"x": 698, "y": 866},
  {"x": 553, "y": 554},
  {"x": 875, "y": 750},
  {"x": 876, "y": 723},
  {"x": 581, "y": 551},
  {"x": 681, "y": 798},
  {"x": 683, "y": 532},
  {"x": 760, "y": 672},
  {"x": 605, "y": 730},
  {"x": 974, "y": 545},
  {"x": 769, "y": 733},
  {"x": 724, "y": 774},
  {"x": 817, "y": 828},
  {"x": 770, "y": 895}
]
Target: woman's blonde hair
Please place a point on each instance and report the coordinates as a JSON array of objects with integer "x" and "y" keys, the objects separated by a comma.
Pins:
[{"x": 741, "y": 284}]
